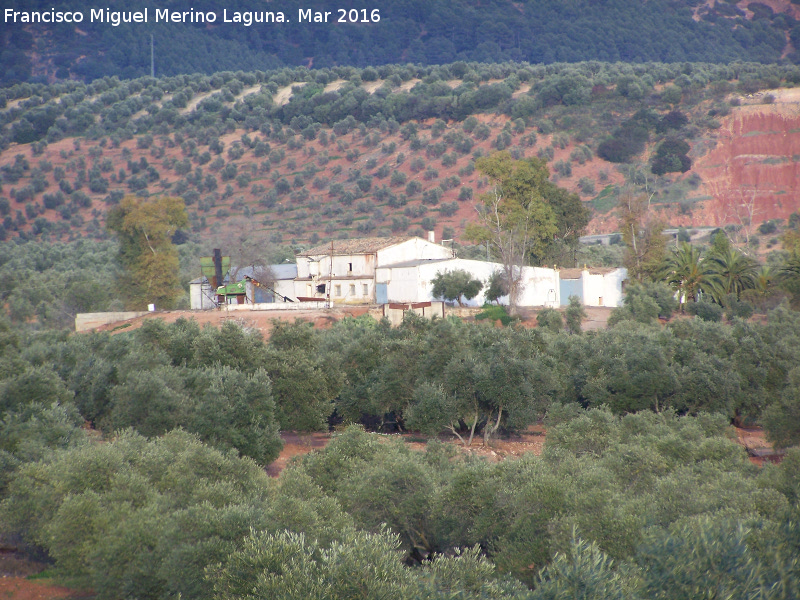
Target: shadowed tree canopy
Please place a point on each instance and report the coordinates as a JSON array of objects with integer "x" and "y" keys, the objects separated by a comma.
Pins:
[
  {"x": 147, "y": 254},
  {"x": 641, "y": 233},
  {"x": 572, "y": 217},
  {"x": 671, "y": 157},
  {"x": 497, "y": 287}
]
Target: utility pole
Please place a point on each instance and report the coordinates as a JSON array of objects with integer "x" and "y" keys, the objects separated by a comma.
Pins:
[
  {"x": 330, "y": 281},
  {"x": 152, "y": 59}
]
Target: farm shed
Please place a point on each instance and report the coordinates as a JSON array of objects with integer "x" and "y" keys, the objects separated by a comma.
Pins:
[{"x": 596, "y": 286}]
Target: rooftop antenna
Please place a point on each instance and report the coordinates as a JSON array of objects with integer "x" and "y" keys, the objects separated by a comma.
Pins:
[{"x": 152, "y": 59}]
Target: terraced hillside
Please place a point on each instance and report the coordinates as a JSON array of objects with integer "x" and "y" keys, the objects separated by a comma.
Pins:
[{"x": 303, "y": 156}]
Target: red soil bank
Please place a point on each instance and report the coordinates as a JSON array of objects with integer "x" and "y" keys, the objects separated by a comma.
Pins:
[{"x": 755, "y": 169}]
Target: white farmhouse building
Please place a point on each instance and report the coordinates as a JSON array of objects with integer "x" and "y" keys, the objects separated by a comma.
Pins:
[
  {"x": 346, "y": 268},
  {"x": 401, "y": 270}
]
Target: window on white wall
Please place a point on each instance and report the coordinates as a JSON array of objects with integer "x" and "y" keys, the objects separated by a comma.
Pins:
[
  {"x": 365, "y": 289},
  {"x": 338, "y": 289},
  {"x": 352, "y": 289}
]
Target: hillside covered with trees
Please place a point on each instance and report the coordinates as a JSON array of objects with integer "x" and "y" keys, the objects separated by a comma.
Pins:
[
  {"x": 412, "y": 31},
  {"x": 304, "y": 155}
]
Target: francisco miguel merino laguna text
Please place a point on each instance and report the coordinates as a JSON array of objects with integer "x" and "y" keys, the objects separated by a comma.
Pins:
[{"x": 246, "y": 18}]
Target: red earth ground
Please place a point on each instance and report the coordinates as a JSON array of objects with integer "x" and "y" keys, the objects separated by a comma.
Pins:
[
  {"x": 19, "y": 588},
  {"x": 15, "y": 585}
]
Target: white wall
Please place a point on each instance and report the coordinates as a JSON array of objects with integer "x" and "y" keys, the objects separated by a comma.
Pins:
[
  {"x": 351, "y": 291},
  {"x": 413, "y": 249},
  {"x": 540, "y": 287},
  {"x": 285, "y": 287},
  {"x": 403, "y": 284},
  {"x": 603, "y": 289},
  {"x": 415, "y": 284},
  {"x": 200, "y": 296},
  {"x": 477, "y": 268},
  {"x": 303, "y": 266},
  {"x": 362, "y": 264}
]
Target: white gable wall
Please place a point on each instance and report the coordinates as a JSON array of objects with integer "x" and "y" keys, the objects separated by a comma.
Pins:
[
  {"x": 540, "y": 287},
  {"x": 413, "y": 249},
  {"x": 285, "y": 287},
  {"x": 403, "y": 284},
  {"x": 603, "y": 289}
]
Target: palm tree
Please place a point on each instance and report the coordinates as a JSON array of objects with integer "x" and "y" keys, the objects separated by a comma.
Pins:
[
  {"x": 735, "y": 273},
  {"x": 790, "y": 276},
  {"x": 688, "y": 273},
  {"x": 764, "y": 286},
  {"x": 763, "y": 280}
]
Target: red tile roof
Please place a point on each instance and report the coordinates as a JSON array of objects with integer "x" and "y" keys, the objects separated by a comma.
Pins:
[{"x": 358, "y": 246}]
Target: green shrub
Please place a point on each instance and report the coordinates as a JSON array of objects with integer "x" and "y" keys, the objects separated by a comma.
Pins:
[
  {"x": 550, "y": 318},
  {"x": 494, "y": 312},
  {"x": 706, "y": 311}
]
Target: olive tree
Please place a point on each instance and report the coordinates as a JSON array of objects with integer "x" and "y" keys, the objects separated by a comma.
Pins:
[{"x": 453, "y": 285}]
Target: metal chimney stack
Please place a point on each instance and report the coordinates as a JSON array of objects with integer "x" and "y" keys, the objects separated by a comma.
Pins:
[{"x": 217, "y": 270}]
